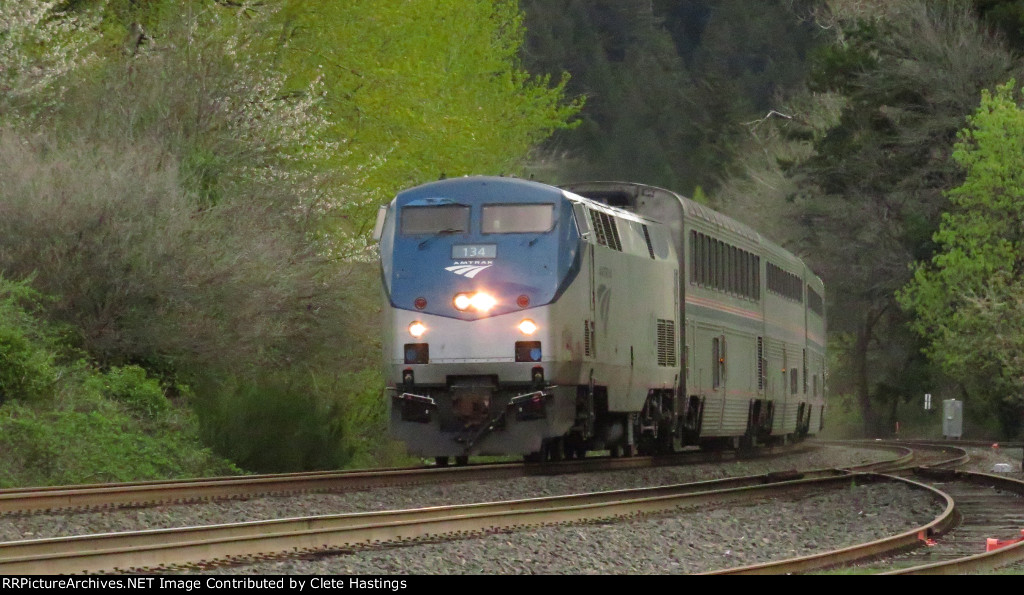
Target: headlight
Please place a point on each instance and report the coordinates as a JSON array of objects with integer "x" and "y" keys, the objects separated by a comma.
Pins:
[
  {"x": 480, "y": 301},
  {"x": 417, "y": 329},
  {"x": 462, "y": 301},
  {"x": 527, "y": 327}
]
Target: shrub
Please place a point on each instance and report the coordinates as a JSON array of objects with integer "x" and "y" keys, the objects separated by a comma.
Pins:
[
  {"x": 272, "y": 423},
  {"x": 63, "y": 447},
  {"x": 365, "y": 413},
  {"x": 131, "y": 386},
  {"x": 27, "y": 369}
]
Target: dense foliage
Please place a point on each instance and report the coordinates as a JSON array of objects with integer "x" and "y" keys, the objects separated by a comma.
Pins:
[
  {"x": 828, "y": 125},
  {"x": 873, "y": 191},
  {"x": 63, "y": 421},
  {"x": 186, "y": 190},
  {"x": 667, "y": 83},
  {"x": 190, "y": 185},
  {"x": 969, "y": 301}
]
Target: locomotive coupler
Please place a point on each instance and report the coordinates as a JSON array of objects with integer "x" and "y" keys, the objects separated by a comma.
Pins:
[
  {"x": 496, "y": 423},
  {"x": 530, "y": 406},
  {"x": 471, "y": 399},
  {"x": 527, "y": 407},
  {"x": 416, "y": 408}
]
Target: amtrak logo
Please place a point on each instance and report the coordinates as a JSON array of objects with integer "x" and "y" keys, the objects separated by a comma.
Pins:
[{"x": 469, "y": 269}]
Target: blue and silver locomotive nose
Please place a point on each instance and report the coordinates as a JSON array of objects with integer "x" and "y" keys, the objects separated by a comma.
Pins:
[
  {"x": 471, "y": 268},
  {"x": 478, "y": 248}
]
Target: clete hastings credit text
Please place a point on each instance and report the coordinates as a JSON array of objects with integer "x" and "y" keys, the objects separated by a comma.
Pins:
[{"x": 196, "y": 583}]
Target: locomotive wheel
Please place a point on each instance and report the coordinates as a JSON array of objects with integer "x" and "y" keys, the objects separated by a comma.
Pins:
[
  {"x": 553, "y": 450},
  {"x": 666, "y": 441},
  {"x": 462, "y": 460},
  {"x": 441, "y": 461},
  {"x": 533, "y": 457},
  {"x": 575, "y": 448}
]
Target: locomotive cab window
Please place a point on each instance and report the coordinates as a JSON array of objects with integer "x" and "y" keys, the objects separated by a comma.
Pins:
[
  {"x": 517, "y": 218},
  {"x": 435, "y": 219}
]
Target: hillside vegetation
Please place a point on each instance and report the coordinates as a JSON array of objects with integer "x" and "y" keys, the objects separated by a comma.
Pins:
[
  {"x": 187, "y": 187},
  {"x": 862, "y": 135},
  {"x": 185, "y": 190}
]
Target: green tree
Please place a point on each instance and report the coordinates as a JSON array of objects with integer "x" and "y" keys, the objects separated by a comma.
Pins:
[
  {"x": 634, "y": 125},
  {"x": 851, "y": 175},
  {"x": 667, "y": 83},
  {"x": 193, "y": 200},
  {"x": 873, "y": 192},
  {"x": 969, "y": 300},
  {"x": 417, "y": 89},
  {"x": 39, "y": 46},
  {"x": 1007, "y": 16}
]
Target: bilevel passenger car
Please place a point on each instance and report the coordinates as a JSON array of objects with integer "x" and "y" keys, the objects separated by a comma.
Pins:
[{"x": 525, "y": 319}]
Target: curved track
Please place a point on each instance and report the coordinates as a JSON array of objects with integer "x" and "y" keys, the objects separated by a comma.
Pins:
[
  {"x": 983, "y": 507},
  {"x": 194, "y": 547},
  {"x": 102, "y": 496},
  {"x": 197, "y": 546},
  {"x": 173, "y": 546}
]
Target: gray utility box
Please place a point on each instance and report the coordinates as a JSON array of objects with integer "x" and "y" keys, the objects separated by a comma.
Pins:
[{"x": 952, "y": 418}]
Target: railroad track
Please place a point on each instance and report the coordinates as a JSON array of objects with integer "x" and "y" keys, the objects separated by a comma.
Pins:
[
  {"x": 154, "y": 548},
  {"x": 983, "y": 507},
  {"x": 191, "y": 548},
  {"x": 909, "y": 454},
  {"x": 197, "y": 547},
  {"x": 105, "y": 496},
  {"x": 989, "y": 507}
]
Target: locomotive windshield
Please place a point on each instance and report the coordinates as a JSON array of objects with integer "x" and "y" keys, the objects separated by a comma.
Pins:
[
  {"x": 518, "y": 218},
  {"x": 435, "y": 219}
]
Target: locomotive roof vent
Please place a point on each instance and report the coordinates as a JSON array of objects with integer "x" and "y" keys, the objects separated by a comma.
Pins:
[{"x": 612, "y": 198}]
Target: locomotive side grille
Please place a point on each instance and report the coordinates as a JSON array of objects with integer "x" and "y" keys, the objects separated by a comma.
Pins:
[
  {"x": 588, "y": 344},
  {"x": 650, "y": 247},
  {"x": 598, "y": 221},
  {"x": 804, "y": 371},
  {"x": 666, "y": 342},
  {"x": 760, "y": 363},
  {"x": 606, "y": 229},
  {"x": 612, "y": 232}
]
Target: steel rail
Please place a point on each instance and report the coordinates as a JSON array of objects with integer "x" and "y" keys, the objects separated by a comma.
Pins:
[
  {"x": 910, "y": 453},
  {"x": 954, "y": 456},
  {"x": 980, "y": 562},
  {"x": 28, "y": 500},
  {"x": 962, "y": 443},
  {"x": 908, "y": 539},
  {"x": 950, "y": 520},
  {"x": 174, "y": 547},
  {"x": 133, "y": 494}
]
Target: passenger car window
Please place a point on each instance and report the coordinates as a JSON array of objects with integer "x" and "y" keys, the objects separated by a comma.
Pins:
[
  {"x": 517, "y": 218},
  {"x": 435, "y": 219}
]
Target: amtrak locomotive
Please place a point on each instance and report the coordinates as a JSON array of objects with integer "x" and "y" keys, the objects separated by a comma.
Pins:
[{"x": 528, "y": 319}]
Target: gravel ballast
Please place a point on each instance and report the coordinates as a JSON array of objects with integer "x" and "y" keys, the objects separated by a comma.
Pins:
[
  {"x": 34, "y": 526},
  {"x": 684, "y": 542}
]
